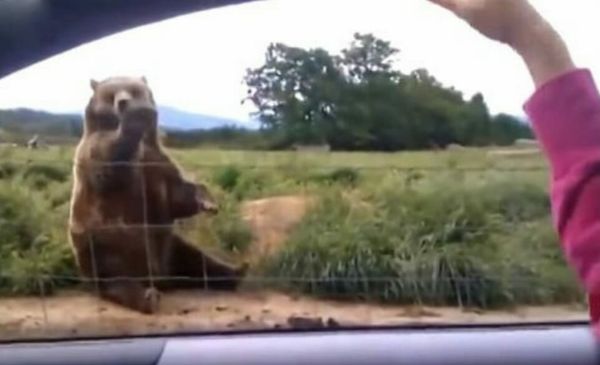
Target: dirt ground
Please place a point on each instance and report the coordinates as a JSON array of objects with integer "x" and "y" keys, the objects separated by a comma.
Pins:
[
  {"x": 271, "y": 221},
  {"x": 75, "y": 314}
]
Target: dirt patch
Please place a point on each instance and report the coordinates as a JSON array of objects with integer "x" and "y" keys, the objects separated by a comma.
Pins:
[
  {"x": 271, "y": 221},
  {"x": 76, "y": 314}
]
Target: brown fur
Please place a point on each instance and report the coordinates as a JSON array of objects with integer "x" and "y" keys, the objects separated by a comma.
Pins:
[{"x": 126, "y": 195}]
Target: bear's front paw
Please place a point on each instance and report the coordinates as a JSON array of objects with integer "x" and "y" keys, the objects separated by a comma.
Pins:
[{"x": 141, "y": 113}]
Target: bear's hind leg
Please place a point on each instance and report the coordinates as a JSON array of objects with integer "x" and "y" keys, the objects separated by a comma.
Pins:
[
  {"x": 201, "y": 270},
  {"x": 111, "y": 275}
]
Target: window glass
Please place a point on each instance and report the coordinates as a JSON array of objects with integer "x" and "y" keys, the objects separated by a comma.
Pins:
[{"x": 352, "y": 162}]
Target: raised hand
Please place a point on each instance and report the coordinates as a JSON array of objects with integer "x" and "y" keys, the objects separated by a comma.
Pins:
[
  {"x": 517, "y": 24},
  {"x": 501, "y": 20}
]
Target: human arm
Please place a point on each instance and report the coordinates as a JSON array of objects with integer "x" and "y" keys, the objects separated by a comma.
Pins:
[
  {"x": 565, "y": 113},
  {"x": 518, "y": 25}
]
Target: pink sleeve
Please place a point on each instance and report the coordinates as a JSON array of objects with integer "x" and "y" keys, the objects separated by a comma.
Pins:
[{"x": 565, "y": 113}]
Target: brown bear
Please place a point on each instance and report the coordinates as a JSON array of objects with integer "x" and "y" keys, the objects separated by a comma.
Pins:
[{"x": 127, "y": 194}]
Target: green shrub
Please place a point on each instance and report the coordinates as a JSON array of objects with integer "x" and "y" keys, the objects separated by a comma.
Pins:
[
  {"x": 51, "y": 172},
  {"x": 516, "y": 201},
  {"x": 252, "y": 184},
  {"x": 243, "y": 184},
  {"x": 444, "y": 245},
  {"x": 7, "y": 170},
  {"x": 40, "y": 176},
  {"x": 540, "y": 274},
  {"x": 228, "y": 177},
  {"x": 33, "y": 248},
  {"x": 58, "y": 194},
  {"x": 344, "y": 176},
  {"x": 232, "y": 232}
]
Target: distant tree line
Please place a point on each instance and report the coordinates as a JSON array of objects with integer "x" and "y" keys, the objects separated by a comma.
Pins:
[
  {"x": 226, "y": 137},
  {"x": 357, "y": 100},
  {"x": 354, "y": 100}
]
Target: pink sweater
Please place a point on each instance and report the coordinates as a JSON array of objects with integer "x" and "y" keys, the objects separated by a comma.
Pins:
[{"x": 565, "y": 113}]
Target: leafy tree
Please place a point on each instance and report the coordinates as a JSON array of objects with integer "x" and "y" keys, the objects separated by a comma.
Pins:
[
  {"x": 357, "y": 100},
  {"x": 368, "y": 57},
  {"x": 294, "y": 91},
  {"x": 506, "y": 128}
]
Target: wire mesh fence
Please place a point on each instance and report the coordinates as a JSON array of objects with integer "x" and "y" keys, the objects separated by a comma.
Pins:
[{"x": 462, "y": 255}]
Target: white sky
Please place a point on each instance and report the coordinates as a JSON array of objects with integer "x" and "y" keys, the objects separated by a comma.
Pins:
[{"x": 196, "y": 62}]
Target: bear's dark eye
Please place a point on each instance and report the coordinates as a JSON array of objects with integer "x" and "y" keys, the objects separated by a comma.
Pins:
[
  {"x": 135, "y": 93},
  {"x": 108, "y": 98}
]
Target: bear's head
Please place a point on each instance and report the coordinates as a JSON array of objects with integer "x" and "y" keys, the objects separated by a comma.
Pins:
[{"x": 112, "y": 98}]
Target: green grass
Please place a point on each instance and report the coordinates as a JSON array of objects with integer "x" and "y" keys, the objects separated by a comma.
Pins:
[
  {"x": 34, "y": 255},
  {"x": 447, "y": 244},
  {"x": 445, "y": 228}
]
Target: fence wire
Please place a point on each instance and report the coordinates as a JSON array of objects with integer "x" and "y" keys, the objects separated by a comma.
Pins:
[
  {"x": 369, "y": 285},
  {"x": 283, "y": 166}
]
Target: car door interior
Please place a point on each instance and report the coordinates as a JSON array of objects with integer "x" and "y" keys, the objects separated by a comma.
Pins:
[{"x": 548, "y": 344}]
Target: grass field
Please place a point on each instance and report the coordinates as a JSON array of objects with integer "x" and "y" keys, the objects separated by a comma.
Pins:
[{"x": 456, "y": 228}]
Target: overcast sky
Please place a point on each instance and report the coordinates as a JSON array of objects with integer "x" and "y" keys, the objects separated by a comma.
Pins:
[{"x": 196, "y": 62}]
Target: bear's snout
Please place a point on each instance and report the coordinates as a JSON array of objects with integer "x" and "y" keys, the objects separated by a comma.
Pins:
[{"x": 122, "y": 101}]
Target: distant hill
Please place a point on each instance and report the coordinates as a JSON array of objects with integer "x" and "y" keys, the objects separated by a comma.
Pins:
[
  {"x": 27, "y": 122},
  {"x": 176, "y": 119}
]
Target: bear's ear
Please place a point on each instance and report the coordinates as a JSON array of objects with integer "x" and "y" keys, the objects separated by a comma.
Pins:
[
  {"x": 144, "y": 80},
  {"x": 93, "y": 84}
]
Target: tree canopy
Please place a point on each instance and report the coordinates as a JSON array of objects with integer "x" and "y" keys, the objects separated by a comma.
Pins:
[{"x": 358, "y": 100}]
